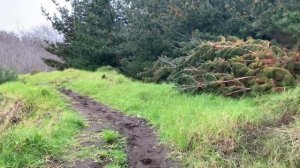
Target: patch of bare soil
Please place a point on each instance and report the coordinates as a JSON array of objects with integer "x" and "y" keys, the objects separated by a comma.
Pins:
[{"x": 143, "y": 148}]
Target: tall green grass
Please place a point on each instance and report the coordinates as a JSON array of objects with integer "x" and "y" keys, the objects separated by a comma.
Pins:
[
  {"x": 207, "y": 130},
  {"x": 43, "y": 133}
]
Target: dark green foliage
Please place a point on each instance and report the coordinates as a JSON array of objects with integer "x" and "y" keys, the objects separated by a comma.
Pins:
[
  {"x": 90, "y": 34},
  {"x": 7, "y": 76},
  {"x": 163, "y": 27},
  {"x": 132, "y": 67},
  {"x": 280, "y": 22},
  {"x": 131, "y": 35},
  {"x": 55, "y": 64},
  {"x": 230, "y": 67}
]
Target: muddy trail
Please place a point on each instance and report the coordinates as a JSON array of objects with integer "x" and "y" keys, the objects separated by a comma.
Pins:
[{"x": 143, "y": 148}]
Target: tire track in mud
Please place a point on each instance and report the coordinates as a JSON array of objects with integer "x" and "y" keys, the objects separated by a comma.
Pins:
[{"x": 143, "y": 148}]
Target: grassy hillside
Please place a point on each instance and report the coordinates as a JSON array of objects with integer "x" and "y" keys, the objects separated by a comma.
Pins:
[
  {"x": 205, "y": 130},
  {"x": 35, "y": 125}
]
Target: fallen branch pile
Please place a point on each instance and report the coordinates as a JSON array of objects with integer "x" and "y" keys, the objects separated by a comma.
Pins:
[{"x": 231, "y": 67}]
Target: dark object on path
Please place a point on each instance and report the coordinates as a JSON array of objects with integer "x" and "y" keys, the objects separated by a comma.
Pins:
[{"x": 144, "y": 150}]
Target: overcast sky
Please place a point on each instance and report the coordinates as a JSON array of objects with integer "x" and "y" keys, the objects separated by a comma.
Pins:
[{"x": 20, "y": 15}]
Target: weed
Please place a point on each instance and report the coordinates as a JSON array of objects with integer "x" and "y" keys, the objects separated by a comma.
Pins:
[
  {"x": 112, "y": 166},
  {"x": 110, "y": 136},
  {"x": 116, "y": 149},
  {"x": 119, "y": 157}
]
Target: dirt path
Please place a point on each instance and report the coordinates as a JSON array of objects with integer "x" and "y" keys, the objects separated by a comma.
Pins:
[{"x": 143, "y": 148}]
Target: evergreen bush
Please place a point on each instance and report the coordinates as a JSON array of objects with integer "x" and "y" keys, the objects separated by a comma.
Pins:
[{"x": 230, "y": 66}]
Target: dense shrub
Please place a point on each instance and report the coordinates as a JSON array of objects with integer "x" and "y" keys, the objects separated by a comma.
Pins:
[
  {"x": 230, "y": 66},
  {"x": 131, "y": 35},
  {"x": 7, "y": 75}
]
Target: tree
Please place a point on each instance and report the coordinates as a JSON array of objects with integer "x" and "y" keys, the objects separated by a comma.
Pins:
[
  {"x": 89, "y": 29},
  {"x": 132, "y": 34},
  {"x": 41, "y": 35},
  {"x": 23, "y": 55}
]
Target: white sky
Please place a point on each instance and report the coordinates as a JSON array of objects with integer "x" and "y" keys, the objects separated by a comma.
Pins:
[{"x": 20, "y": 15}]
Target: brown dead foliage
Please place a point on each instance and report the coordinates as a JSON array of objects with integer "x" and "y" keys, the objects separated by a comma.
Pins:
[
  {"x": 227, "y": 146},
  {"x": 13, "y": 115}
]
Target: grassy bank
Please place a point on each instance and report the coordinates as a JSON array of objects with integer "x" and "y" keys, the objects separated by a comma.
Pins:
[
  {"x": 206, "y": 130},
  {"x": 37, "y": 125}
]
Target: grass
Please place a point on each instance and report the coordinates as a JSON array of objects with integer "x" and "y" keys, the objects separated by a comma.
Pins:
[
  {"x": 110, "y": 136},
  {"x": 115, "y": 146},
  {"x": 108, "y": 150},
  {"x": 204, "y": 130},
  {"x": 45, "y": 128}
]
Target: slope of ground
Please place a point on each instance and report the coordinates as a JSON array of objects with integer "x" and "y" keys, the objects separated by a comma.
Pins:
[
  {"x": 39, "y": 129},
  {"x": 36, "y": 125},
  {"x": 206, "y": 130}
]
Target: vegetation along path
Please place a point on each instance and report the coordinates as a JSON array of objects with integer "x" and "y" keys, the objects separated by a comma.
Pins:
[{"x": 144, "y": 150}]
